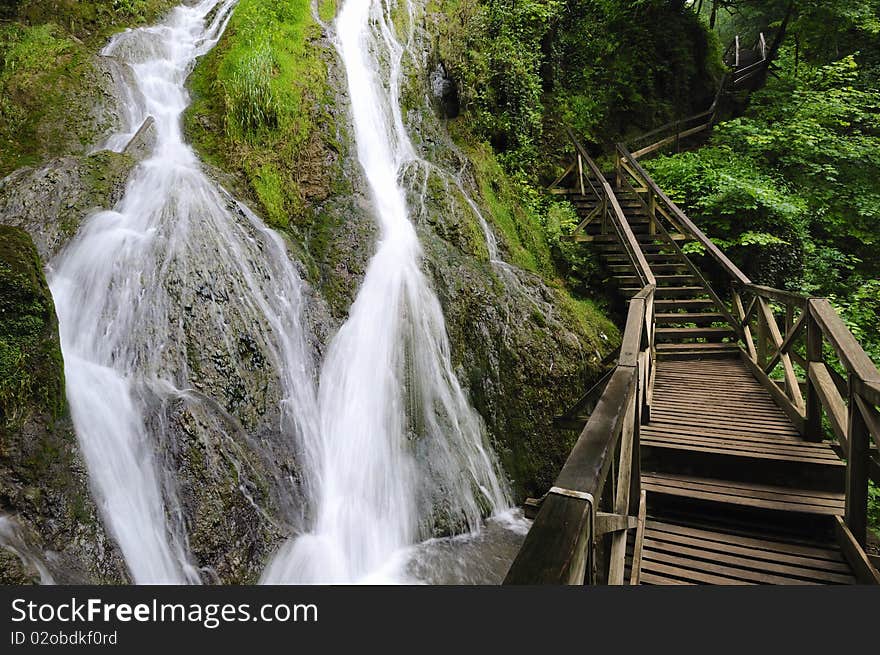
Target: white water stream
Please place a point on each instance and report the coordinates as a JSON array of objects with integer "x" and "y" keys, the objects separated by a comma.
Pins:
[
  {"x": 401, "y": 451},
  {"x": 175, "y": 265}
]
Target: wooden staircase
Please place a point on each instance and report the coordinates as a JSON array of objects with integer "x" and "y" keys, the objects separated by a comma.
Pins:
[
  {"x": 723, "y": 470},
  {"x": 690, "y": 323}
]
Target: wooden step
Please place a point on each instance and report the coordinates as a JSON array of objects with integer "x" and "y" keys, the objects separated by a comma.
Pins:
[
  {"x": 682, "y": 554},
  {"x": 697, "y": 350},
  {"x": 617, "y": 258},
  {"x": 743, "y": 455},
  {"x": 684, "y": 304},
  {"x": 679, "y": 333},
  {"x": 679, "y": 292},
  {"x": 699, "y": 318},
  {"x": 745, "y": 494},
  {"x": 667, "y": 292}
]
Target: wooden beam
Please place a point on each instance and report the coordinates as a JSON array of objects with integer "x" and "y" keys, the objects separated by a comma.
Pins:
[
  {"x": 793, "y": 333},
  {"x": 609, "y": 523},
  {"x": 857, "y": 459},
  {"x": 635, "y": 571},
  {"x": 682, "y": 218},
  {"x": 556, "y": 549},
  {"x": 631, "y": 345},
  {"x": 561, "y": 177},
  {"x": 621, "y": 499},
  {"x": 791, "y": 382},
  {"x": 747, "y": 332},
  {"x": 862, "y": 568},
  {"x": 871, "y": 417},
  {"x": 780, "y": 296},
  {"x": 851, "y": 354},
  {"x": 813, "y": 424},
  {"x": 831, "y": 400},
  {"x": 778, "y": 395}
]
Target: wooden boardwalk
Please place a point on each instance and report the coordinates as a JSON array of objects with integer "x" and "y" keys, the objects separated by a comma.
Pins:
[
  {"x": 736, "y": 494},
  {"x": 726, "y": 447}
]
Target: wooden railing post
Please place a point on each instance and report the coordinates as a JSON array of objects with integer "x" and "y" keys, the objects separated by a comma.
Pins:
[
  {"x": 652, "y": 213},
  {"x": 618, "y": 173},
  {"x": 813, "y": 423},
  {"x": 856, "y": 516},
  {"x": 763, "y": 336},
  {"x": 581, "y": 173}
]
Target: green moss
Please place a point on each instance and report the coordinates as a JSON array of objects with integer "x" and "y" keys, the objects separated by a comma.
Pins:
[
  {"x": 94, "y": 21},
  {"x": 259, "y": 104},
  {"x": 269, "y": 188},
  {"x": 510, "y": 211},
  {"x": 327, "y": 10},
  {"x": 48, "y": 82},
  {"x": 591, "y": 319},
  {"x": 31, "y": 366}
]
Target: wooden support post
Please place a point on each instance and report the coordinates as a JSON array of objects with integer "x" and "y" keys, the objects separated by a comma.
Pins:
[
  {"x": 581, "y": 173},
  {"x": 622, "y": 489},
  {"x": 814, "y": 354},
  {"x": 618, "y": 175},
  {"x": 856, "y": 516},
  {"x": 652, "y": 213},
  {"x": 791, "y": 381},
  {"x": 747, "y": 331},
  {"x": 636, "y": 568},
  {"x": 763, "y": 340}
]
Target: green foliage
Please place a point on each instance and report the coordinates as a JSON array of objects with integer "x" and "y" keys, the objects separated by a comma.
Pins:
[
  {"x": 746, "y": 209},
  {"x": 47, "y": 79},
  {"x": 791, "y": 186},
  {"x": 92, "y": 21},
  {"x": 599, "y": 65},
  {"x": 37, "y": 66},
  {"x": 260, "y": 101}
]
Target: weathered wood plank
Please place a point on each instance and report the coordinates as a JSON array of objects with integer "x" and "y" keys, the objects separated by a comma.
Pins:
[
  {"x": 636, "y": 567},
  {"x": 555, "y": 550},
  {"x": 791, "y": 381},
  {"x": 750, "y": 541},
  {"x": 778, "y": 395},
  {"x": 759, "y": 554},
  {"x": 851, "y": 354},
  {"x": 852, "y": 551},
  {"x": 835, "y": 407}
]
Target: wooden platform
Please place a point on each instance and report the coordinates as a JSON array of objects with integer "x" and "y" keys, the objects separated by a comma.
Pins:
[{"x": 736, "y": 495}]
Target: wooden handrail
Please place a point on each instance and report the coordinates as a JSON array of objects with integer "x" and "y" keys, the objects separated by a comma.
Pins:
[
  {"x": 560, "y": 547},
  {"x": 695, "y": 232},
  {"x": 618, "y": 218}
]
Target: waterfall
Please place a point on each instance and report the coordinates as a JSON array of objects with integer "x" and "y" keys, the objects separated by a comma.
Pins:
[
  {"x": 401, "y": 452},
  {"x": 152, "y": 291},
  {"x": 177, "y": 267}
]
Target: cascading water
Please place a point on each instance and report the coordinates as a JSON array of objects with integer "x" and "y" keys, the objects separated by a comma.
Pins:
[
  {"x": 401, "y": 452},
  {"x": 176, "y": 267}
]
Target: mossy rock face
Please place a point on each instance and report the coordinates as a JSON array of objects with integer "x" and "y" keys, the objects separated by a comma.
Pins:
[
  {"x": 43, "y": 483},
  {"x": 50, "y": 202}
]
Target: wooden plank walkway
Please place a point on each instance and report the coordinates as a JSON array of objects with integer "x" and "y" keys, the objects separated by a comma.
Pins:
[
  {"x": 734, "y": 490},
  {"x": 736, "y": 495}
]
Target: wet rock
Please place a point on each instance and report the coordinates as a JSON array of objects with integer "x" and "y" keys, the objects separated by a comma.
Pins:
[
  {"x": 444, "y": 91},
  {"x": 43, "y": 482},
  {"x": 50, "y": 202},
  {"x": 143, "y": 141}
]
